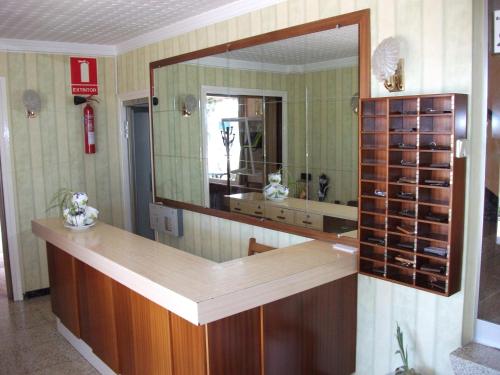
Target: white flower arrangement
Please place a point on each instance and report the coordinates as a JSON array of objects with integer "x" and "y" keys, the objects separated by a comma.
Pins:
[{"x": 74, "y": 209}]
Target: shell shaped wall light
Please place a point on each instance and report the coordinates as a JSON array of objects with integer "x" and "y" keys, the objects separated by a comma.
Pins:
[{"x": 387, "y": 66}]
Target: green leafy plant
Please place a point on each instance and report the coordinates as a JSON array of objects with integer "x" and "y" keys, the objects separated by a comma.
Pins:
[
  {"x": 403, "y": 352},
  {"x": 61, "y": 200}
]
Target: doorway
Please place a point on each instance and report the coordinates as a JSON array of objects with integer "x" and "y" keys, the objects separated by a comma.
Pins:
[
  {"x": 488, "y": 312},
  {"x": 139, "y": 161}
]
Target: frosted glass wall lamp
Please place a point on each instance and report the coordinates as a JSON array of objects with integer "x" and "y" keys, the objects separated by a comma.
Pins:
[
  {"x": 387, "y": 66},
  {"x": 188, "y": 105},
  {"x": 32, "y": 103}
]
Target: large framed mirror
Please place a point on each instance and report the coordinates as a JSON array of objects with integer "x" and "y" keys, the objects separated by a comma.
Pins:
[{"x": 264, "y": 130}]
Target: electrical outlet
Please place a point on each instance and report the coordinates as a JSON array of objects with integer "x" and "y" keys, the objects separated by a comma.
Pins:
[{"x": 166, "y": 219}]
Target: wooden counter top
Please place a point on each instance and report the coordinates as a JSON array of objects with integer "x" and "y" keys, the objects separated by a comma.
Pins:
[{"x": 199, "y": 290}]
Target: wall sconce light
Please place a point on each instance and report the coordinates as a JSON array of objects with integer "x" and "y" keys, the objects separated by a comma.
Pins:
[
  {"x": 32, "y": 102},
  {"x": 387, "y": 66},
  {"x": 189, "y": 105},
  {"x": 355, "y": 102}
]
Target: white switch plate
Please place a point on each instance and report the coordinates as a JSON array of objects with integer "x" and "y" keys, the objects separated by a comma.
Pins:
[
  {"x": 496, "y": 31},
  {"x": 166, "y": 219},
  {"x": 461, "y": 148}
]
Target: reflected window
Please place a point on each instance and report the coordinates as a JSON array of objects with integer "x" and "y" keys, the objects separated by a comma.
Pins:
[
  {"x": 243, "y": 139},
  {"x": 221, "y": 136}
]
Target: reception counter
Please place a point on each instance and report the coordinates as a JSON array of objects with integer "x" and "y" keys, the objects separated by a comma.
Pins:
[{"x": 146, "y": 308}]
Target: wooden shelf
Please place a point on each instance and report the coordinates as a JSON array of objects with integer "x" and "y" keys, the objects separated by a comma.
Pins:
[{"x": 407, "y": 119}]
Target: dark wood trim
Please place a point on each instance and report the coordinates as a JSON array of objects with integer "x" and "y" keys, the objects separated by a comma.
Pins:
[
  {"x": 260, "y": 222},
  {"x": 97, "y": 313},
  {"x": 234, "y": 344},
  {"x": 64, "y": 288},
  {"x": 313, "y": 332},
  {"x": 361, "y": 18}
]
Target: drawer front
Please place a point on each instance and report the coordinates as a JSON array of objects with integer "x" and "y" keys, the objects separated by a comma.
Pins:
[
  {"x": 282, "y": 215},
  {"x": 240, "y": 206},
  {"x": 257, "y": 209},
  {"x": 308, "y": 220},
  {"x": 247, "y": 207}
]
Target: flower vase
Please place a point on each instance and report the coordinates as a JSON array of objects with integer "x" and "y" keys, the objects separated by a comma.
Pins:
[{"x": 275, "y": 191}]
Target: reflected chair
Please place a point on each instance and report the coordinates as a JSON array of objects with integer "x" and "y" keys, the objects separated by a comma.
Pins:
[{"x": 254, "y": 247}]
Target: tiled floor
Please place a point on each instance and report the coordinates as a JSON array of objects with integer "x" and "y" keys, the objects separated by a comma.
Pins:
[{"x": 29, "y": 341}]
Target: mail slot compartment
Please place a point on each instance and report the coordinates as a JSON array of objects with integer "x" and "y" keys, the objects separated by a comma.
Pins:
[
  {"x": 309, "y": 220},
  {"x": 280, "y": 214}
]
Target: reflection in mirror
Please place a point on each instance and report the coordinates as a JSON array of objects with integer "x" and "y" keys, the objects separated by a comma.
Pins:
[
  {"x": 243, "y": 142},
  {"x": 273, "y": 133}
]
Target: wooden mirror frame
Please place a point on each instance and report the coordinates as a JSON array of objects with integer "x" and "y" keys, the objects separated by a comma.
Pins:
[{"x": 362, "y": 19}]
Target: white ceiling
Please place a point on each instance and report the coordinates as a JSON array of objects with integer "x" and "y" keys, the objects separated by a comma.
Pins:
[
  {"x": 328, "y": 45},
  {"x": 106, "y": 22}
]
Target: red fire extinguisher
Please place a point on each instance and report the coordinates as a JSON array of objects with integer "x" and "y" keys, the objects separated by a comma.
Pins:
[
  {"x": 88, "y": 122},
  {"x": 89, "y": 128}
]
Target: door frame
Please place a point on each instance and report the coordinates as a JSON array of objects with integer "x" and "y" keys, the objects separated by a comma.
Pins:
[
  {"x": 123, "y": 133},
  {"x": 484, "y": 332},
  {"x": 8, "y": 216}
]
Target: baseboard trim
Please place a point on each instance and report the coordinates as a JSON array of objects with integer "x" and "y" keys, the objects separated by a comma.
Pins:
[
  {"x": 85, "y": 350},
  {"x": 37, "y": 293},
  {"x": 487, "y": 333}
]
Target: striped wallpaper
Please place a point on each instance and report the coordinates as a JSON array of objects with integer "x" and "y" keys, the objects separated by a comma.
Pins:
[
  {"x": 48, "y": 150},
  {"x": 330, "y": 129},
  {"x": 437, "y": 46}
]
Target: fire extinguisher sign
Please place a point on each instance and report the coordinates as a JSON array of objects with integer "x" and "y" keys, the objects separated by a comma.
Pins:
[{"x": 83, "y": 76}]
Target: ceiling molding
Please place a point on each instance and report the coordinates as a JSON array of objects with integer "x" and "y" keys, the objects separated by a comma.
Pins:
[
  {"x": 213, "y": 16},
  {"x": 221, "y": 62},
  {"x": 22, "y": 45},
  {"x": 186, "y": 25}
]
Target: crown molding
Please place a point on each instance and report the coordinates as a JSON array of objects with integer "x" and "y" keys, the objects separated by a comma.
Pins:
[
  {"x": 221, "y": 62},
  {"x": 210, "y": 17},
  {"x": 22, "y": 45}
]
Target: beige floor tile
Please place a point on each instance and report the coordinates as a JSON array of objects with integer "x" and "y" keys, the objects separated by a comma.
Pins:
[
  {"x": 30, "y": 343},
  {"x": 80, "y": 367}
]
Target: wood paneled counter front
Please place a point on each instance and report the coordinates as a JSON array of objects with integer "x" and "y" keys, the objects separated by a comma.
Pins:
[{"x": 147, "y": 308}]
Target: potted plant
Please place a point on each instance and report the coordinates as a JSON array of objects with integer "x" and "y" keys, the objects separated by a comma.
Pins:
[
  {"x": 74, "y": 209},
  {"x": 403, "y": 352}
]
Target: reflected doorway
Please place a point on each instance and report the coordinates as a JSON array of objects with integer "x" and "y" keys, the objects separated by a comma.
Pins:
[{"x": 243, "y": 137}]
